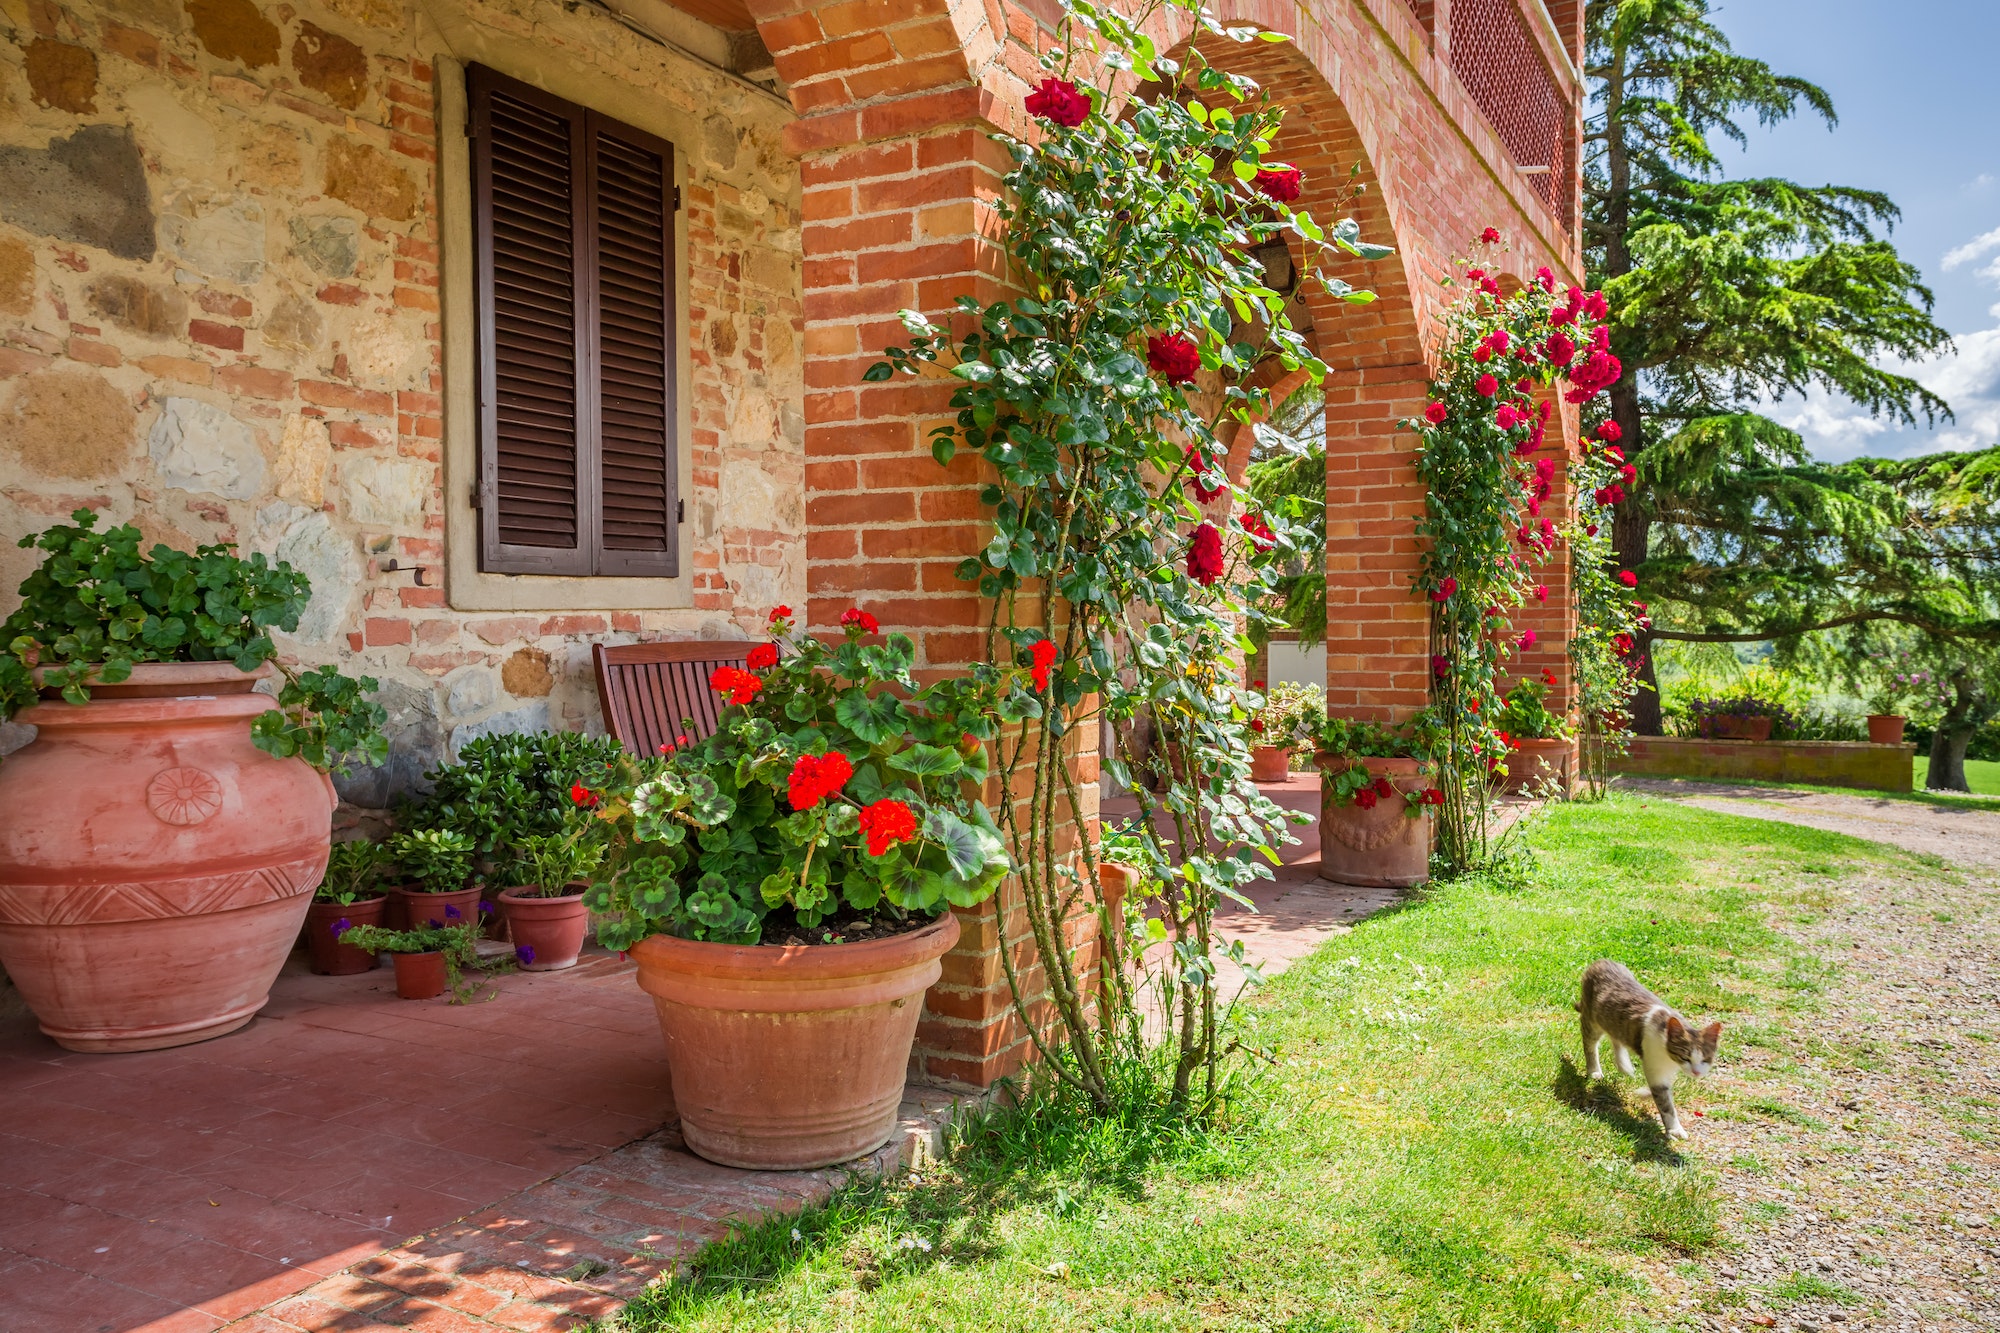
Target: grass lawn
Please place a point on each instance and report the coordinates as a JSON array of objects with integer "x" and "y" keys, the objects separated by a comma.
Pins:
[
  {"x": 1422, "y": 1155},
  {"x": 1982, "y": 775}
]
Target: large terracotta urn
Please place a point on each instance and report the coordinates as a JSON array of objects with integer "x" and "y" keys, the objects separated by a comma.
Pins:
[
  {"x": 788, "y": 1057},
  {"x": 155, "y": 866},
  {"x": 1383, "y": 846}
]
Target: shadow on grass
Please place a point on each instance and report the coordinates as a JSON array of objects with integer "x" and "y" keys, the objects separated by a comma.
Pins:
[
  {"x": 1046, "y": 1151},
  {"x": 1601, "y": 1101}
]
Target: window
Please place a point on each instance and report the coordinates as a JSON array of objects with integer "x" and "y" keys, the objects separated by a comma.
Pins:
[{"x": 573, "y": 217}]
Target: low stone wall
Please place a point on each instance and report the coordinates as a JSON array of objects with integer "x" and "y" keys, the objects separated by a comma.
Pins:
[{"x": 1821, "y": 763}]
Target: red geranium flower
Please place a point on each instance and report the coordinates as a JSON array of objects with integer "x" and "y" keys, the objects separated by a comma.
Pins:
[
  {"x": 1282, "y": 184},
  {"x": 1487, "y": 386},
  {"x": 582, "y": 795},
  {"x": 855, "y": 618},
  {"x": 1058, "y": 100},
  {"x": 1436, "y": 413},
  {"x": 1173, "y": 356},
  {"x": 1366, "y": 798},
  {"x": 1628, "y": 578},
  {"x": 1432, "y": 796},
  {"x": 817, "y": 776},
  {"x": 1490, "y": 235},
  {"x": 1044, "y": 655},
  {"x": 762, "y": 656},
  {"x": 1383, "y": 788},
  {"x": 780, "y": 613},
  {"x": 1257, "y": 725},
  {"x": 886, "y": 823},
  {"x": 738, "y": 684}
]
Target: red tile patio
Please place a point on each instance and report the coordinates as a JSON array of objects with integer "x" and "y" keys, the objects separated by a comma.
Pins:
[{"x": 353, "y": 1161}]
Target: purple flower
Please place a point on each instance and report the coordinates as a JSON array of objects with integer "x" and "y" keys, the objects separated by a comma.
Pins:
[
  {"x": 525, "y": 954},
  {"x": 341, "y": 927},
  {"x": 485, "y": 908},
  {"x": 451, "y": 912}
]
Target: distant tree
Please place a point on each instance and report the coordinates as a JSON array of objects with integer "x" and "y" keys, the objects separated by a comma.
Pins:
[{"x": 1727, "y": 293}]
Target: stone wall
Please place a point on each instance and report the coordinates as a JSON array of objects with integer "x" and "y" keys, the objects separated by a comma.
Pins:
[{"x": 221, "y": 318}]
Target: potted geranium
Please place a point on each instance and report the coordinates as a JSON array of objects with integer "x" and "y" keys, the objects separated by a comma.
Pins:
[
  {"x": 1376, "y": 803},
  {"x": 439, "y": 890},
  {"x": 1743, "y": 718},
  {"x": 427, "y": 959},
  {"x": 1538, "y": 744},
  {"x": 1291, "y": 717},
  {"x": 348, "y": 896},
  {"x": 784, "y": 887},
  {"x": 546, "y": 916},
  {"x": 165, "y": 829}
]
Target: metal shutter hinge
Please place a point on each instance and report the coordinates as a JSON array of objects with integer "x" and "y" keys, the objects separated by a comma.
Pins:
[{"x": 680, "y": 511}]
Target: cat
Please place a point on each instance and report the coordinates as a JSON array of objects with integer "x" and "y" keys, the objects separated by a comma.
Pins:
[{"x": 1615, "y": 1005}]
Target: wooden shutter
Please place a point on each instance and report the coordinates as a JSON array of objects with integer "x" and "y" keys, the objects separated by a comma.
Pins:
[{"x": 577, "y": 315}]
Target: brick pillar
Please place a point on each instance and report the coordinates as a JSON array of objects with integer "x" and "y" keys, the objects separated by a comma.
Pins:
[{"x": 1377, "y": 626}]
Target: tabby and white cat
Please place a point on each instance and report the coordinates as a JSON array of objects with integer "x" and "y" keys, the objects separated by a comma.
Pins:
[{"x": 1615, "y": 1005}]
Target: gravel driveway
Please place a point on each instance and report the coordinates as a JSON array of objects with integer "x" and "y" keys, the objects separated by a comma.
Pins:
[{"x": 1858, "y": 1148}]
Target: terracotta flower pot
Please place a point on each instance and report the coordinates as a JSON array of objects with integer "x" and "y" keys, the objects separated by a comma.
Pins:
[
  {"x": 1379, "y": 847},
  {"x": 329, "y": 957},
  {"x": 1739, "y": 728},
  {"x": 550, "y": 930},
  {"x": 1532, "y": 761},
  {"x": 1886, "y": 728},
  {"x": 1270, "y": 763},
  {"x": 419, "y": 976},
  {"x": 422, "y": 909},
  {"x": 155, "y": 866},
  {"x": 790, "y": 1057}
]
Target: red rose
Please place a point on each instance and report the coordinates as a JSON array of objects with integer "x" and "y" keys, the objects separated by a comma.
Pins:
[
  {"x": 1630, "y": 473},
  {"x": 1482, "y": 354},
  {"x": 1445, "y": 589},
  {"x": 1173, "y": 356},
  {"x": 1199, "y": 463},
  {"x": 1487, "y": 386},
  {"x": 1204, "y": 560},
  {"x": 1527, "y": 639},
  {"x": 1440, "y": 664},
  {"x": 1614, "y": 453},
  {"x": 1436, "y": 413},
  {"x": 1499, "y": 340},
  {"x": 1474, "y": 274},
  {"x": 1058, "y": 100},
  {"x": 1628, "y": 578},
  {"x": 738, "y": 684},
  {"x": 1597, "y": 307},
  {"x": 582, "y": 795},
  {"x": 1610, "y": 432},
  {"x": 762, "y": 656},
  {"x": 886, "y": 823},
  {"x": 780, "y": 613},
  {"x": 1545, "y": 279},
  {"x": 1505, "y": 417},
  {"x": 1044, "y": 655},
  {"x": 1366, "y": 798},
  {"x": 817, "y": 776},
  {"x": 854, "y": 618},
  {"x": 1282, "y": 184},
  {"x": 1490, "y": 235},
  {"x": 1258, "y": 531},
  {"x": 1541, "y": 592}
]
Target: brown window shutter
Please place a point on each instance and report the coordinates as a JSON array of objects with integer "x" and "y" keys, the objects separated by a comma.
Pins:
[
  {"x": 631, "y": 192},
  {"x": 577, "y": 314}
]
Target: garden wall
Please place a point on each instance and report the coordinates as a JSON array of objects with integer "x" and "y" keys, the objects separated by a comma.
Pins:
[
  {"x": 1820, "y": 763},
  {"x": 229, "y": 283}
]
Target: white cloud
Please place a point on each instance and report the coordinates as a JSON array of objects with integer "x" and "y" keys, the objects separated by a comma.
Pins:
[{"x": 1972, "y": 249}]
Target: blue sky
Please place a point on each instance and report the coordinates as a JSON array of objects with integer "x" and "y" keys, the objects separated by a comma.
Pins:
[{"x": 1919, "y": 112}]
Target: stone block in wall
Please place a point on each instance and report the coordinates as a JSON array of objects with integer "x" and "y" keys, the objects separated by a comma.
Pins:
[{"x": 196, "y": 446}]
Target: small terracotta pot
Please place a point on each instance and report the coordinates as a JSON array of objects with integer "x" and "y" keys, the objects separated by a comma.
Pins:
[
  {"x": 1382, "y": 847},
  {"x": 790, "y": 1057},
  {"x": 1886, "y": 728},
  {"x": 422, "y": 909},
  {"x": 1739, "y": 728},
  {"x": 1118, "y": 882},
  {"x": 155, "y": 865},
  {"x": 552, "y": 929},
  {"x": 1270, "y": 763},
  {"x": 327, "y": 955},
  {"x": 1531, "y": 761},
  {"x": 419, "y": 976}
]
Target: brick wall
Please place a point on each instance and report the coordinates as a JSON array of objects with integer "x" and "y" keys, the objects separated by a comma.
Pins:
[{"x": 238, "y": 336}]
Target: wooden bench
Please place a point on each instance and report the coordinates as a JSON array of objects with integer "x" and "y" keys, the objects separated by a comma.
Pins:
[{"x": 654, "y": 693}]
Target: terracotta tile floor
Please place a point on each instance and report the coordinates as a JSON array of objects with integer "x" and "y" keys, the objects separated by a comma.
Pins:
[{"x": 354, "y": 1162}]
